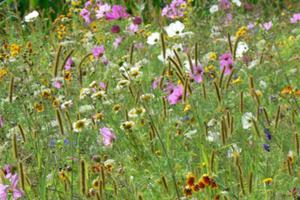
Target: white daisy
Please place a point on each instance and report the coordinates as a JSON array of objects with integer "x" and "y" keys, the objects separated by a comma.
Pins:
[
  {"x": 213, "y": 9},
  {"x": 153, "y": 38},
  {"x": 31, "y": 16},
  {"x": 241, "y": 49},
  {"x": 176, "y": 29}
]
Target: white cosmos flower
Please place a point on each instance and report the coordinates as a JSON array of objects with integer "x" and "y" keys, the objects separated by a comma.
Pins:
[
  {"x": 213, "y": 9},
  {"x": 31, "y": 16},
  {"x": 176, "y": 29},
  {"x": 169, "y": 53},
  {"x": 212, "y": 136},
  {"x": 247, "y": 120},
  {"x": 262, "y": 84},
  {"x": 153, "y": 38},
  {"x": 237, "y": 2},
  {"x": 234, "y": 150},
  {"x": 241, "y": 49}
]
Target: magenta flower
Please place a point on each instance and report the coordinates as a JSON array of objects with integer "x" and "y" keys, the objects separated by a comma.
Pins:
[
  {"x": 115, "y": 29},
  {"x": 268, "y": 25},
  {"x": 295, "y": 18},
  {"x": 69, "y": 64},
  {"x": 156, "y": 82},
  {"x": 5, "y": 190},
  {"x": 57, "y": 84},
  {"x": 197, "y": 73},
  {"x": 227, "y": 62},
  {"x": 98, "y": 51},
  {"x": 176, "y": 95},
  {"x": 137, "y": 20},
  {"x": 102, "y": 85},
  {"x": 108, "y": 136},
  {"x": 86, "y": 15},
  {"x": 117, "y": 12},
  {"x": 1, "y": 121}
]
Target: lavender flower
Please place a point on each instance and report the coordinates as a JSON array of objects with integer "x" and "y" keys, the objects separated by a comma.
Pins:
[{"x": 266, "y": 147}]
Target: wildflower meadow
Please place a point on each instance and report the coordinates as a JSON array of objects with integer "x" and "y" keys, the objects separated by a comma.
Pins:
[{"x": 150, "y": 100}]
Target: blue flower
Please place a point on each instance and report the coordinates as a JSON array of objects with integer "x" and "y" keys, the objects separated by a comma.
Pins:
[
  {"x": 268, "y": 133},
  {"x": 266, "y": 147}
]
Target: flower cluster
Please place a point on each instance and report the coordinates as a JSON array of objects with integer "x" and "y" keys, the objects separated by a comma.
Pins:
[{"x": 205, "y": 181}]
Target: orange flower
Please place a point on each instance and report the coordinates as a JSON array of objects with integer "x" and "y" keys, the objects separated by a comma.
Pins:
[
  {"x": 187, "y": 191},
  {"x": 286, "y": 91},
  {"x": 205, "y": 179},
  {"x": 190, "y": 179}
]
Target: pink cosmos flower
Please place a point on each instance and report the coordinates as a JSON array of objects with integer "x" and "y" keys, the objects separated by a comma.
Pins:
[
  {"x": 69, "y": 64},
  {"x": 102, "y": 85},
  {"x": 197, "y": 73},
  {"x": 268, "y": 25},
  {"x": 12, "y": 188},
  {"x": 295, "y": 18},
  {"x": 176, "y": 95},
  {"x": 174, "y": 10},
  {"x": 115, "y": 29},
  {"x": 156, "y": 82},
  {"x": 117, "y": 12},
  {"x": 86, "y": 15},
  {"x": 108, "y": 136},
  {"x": 133, "y": 28},
  {"x": 102, "y": 10},
  {"x": 98, "y": 51},
  {"x": 225, "y": 4},
  {"x": 117, "y": 42},
  {"x": 57, "y": 84},
  {"x": 227, "y": 62}
]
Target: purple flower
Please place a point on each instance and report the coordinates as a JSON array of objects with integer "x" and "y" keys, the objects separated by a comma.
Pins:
[
  {"x": 102, "y": 85},
  {"x": 176, "y": 95},
  {"x": 108, "y": 136},
  {"x": 227, "y": 62},
  {"x": 197, "y": 73},
  {"x": 268, "y": 25},
  {"x": 115, "y": 29},
  {"x": 12, "y": 188},
  {"x": 295, "y": 18},
  {"x": 98, "y": 51},
  {"x": 69, "y": 64},
  {"x": 266, "y": 147},
  {"x": 251, "y": 26},
  {"x": 57, "y": 84},
  {"x": 225, "y": 4},
  {"x": 117, "y": 12},
  {"x": 267, "y": 133},
  {"x": 86, "y": 15},
  {"x": 1, "y": 121},
  {"x": 137, "y": 20}
]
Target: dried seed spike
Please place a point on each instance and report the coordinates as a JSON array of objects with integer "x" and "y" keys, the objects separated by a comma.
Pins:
[
  {"x": 140, "y": 197},
  {"x": 229, "y": 78},
  {"x": 80, "y": 69},
  {"x": 103, "y": 176},
  {"x": 22, "y": 176},
  {"x": 100, "y": 188},
  {"x": 257, "y": 113},
  {"x": 69, "y": 120},
  {"x": 59, "y": 121},
  {"x": 190, "y": 63},
  {"x": 240, "y": 175},
  {"x": 177, "y": 67},
  {"x": 242, "y": 102},
  {"x": 218, "y": 92},
  {"x": 83, "y": 181},
  {"x": 212, "y": 159},
  {"x": 56, "y": 64},
  {"x": 277, "y": 117},
  {"x": 165, "y": 183},
  {"x": 221, "y": 78},
  {"x": 15, "y": 146},
  {"x": 66, "y": 59},
  {"x": 204, "y": 90},
  {"x": 126, "y": 115},
  {"x": 297, "y": 144},
  {"x": 11, "y": 89},
  {"x": 266, "y": 116},
  {"x": 229, "y": 42},
  {"x": 251, "y": 84},
  {"x": 186, "y": 83},
  {"x": 231, "y": 125},
  {"x": 131, "y": 54},
  {"x": 22, "y": 132},
  {"x": 164, "y": 107},
  {"x": 250, "y": 182},
  {"x": 163, "y": 44},
  {"x": 255, "y": 127},
  {"x": 289, "y": 167},
  {"x": 223, "y": 136},
  {"x": 196, "y": 54},
  {"x": 206, "y": 129},
  {"x": 178, "y": 58},
  {"x": 115, "y": 187}
]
